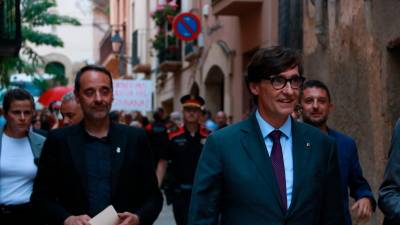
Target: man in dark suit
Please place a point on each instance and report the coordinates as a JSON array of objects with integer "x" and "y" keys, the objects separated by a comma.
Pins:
[
  {"x": 86, "y": 167},
  {"x": 316, "y": 105},
  {"x": 269, "y": 169},
  {"x": 389, "y": 192}
]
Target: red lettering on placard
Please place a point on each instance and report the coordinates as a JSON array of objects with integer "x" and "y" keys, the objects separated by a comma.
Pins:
[{"x": 130, "y": 102}]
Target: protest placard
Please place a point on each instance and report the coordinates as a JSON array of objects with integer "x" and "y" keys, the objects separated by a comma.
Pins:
[{"x": 132, "y": 95}]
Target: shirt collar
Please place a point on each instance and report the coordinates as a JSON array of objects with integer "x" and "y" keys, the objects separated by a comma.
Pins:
[
  {"x": 266, "y": 128},
  {"x": 93, "y": 138}
]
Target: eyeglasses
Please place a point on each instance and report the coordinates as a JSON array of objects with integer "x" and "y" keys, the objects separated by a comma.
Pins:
[{"x": 279, "y": 82}]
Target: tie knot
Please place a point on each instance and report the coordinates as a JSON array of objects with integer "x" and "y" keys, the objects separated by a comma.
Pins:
[{"x": 275, "y": 135}]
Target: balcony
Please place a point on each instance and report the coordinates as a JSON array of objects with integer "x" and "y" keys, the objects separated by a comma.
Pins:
[
  {"x": 105, "y": 48},
  {"x": 170, "y": 59},
  {"x": 192, "y": 52},
  {"x": 108, "y": 59},
  {"x": 139, "y": 52},
  {"x": 142, "y": 68},
  {"x": 235, "y": 7},
  {"x": 168, "y": 52},
  {"x": 10, "y": 28}
]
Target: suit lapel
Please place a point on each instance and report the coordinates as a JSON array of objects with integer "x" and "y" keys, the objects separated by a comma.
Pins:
[
  {"x": 75, "y": 143},
  {"x": 36, "y": 143},
  {"x": 118, "y": 149},
  {"x": 253, "y": 143},
  {"x": 302, "y": 147}
]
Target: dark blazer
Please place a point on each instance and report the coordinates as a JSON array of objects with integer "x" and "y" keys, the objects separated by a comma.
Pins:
[
  {"x": 235, "y": 180},
  {"x": 351, "y": 173},
  {"x": 60, "y": 188},
  {"x": 389, "y": 192}
]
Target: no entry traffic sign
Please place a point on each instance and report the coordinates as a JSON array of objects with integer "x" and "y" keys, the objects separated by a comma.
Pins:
[{"x": 186, "y": 26}]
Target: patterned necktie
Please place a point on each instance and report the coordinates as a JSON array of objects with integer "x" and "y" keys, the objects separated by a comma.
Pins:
[{"x": 278, "y": 165}]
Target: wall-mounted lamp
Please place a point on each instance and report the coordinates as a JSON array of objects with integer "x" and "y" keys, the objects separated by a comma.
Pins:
[{"x": 116, "y": 42}]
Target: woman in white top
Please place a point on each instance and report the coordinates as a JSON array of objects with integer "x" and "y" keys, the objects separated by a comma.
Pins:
[{"x": 19, "y": 153}]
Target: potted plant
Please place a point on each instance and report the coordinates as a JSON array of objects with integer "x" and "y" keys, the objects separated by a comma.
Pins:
[
  {"x": 165, "y": 14},
  {"x": 166, "y": 44}
]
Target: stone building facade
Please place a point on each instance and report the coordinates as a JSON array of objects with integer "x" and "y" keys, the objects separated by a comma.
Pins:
[{"x": 353, "y": 46}]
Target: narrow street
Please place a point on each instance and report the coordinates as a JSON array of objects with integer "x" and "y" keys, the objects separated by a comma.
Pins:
[{"x": 201, "y": 74}]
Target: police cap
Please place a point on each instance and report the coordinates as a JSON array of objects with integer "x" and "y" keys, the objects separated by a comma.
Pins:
[{"x": 192, "y": 101}]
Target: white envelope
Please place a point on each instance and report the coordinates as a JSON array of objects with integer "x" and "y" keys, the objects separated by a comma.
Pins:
[{"x": 106, "y": 217}]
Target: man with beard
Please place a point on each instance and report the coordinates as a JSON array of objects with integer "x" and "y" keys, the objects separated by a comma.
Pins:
[
  {"x": 316, "y": 105},
  {"x": 182, "y": 155},
  {"x": 86, "y": 167}
]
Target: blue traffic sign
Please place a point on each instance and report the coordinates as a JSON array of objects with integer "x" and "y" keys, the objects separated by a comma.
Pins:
[{"x": 186, "y": 26}]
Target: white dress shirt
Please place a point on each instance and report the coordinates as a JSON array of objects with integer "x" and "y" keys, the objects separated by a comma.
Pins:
[{"x": 287, "y": 149}]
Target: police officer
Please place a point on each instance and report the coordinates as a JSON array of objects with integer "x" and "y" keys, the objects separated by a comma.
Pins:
[{"x": 182, "y": 155}]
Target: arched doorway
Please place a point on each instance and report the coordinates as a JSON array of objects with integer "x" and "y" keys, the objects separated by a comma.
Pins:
[
  {"x": 58, "y": 70},
  {"x": 214, "y": 89},
  {"x": 217, "y": 80}
]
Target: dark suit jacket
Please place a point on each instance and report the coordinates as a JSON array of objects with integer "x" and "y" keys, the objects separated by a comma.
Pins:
[
  {"x": 351, "y": 173},
  {"x": 60, "y": 188},
  {"x": 389, "y": 192},
  {"x": 235, "y": 180}
]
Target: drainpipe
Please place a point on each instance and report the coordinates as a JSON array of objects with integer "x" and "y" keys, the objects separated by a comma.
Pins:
[{"x": 320, "y": 22}]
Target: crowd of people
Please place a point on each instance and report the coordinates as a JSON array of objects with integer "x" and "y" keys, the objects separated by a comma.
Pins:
[{"x": 282, "y": 164}]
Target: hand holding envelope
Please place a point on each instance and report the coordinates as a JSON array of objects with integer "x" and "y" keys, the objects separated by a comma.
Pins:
[
  {"x": 106, "y": 217},
  {"x": 110, "y": 217}
]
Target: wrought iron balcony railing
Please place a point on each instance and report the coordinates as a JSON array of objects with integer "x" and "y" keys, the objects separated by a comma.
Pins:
[{"x": 10, "y": 27}]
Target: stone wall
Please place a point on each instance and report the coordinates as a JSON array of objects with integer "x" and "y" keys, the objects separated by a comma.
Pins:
[{"x": 345, "y": 45}]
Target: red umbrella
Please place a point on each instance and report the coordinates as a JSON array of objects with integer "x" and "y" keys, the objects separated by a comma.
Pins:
[{"x": 53, "y": 94}]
